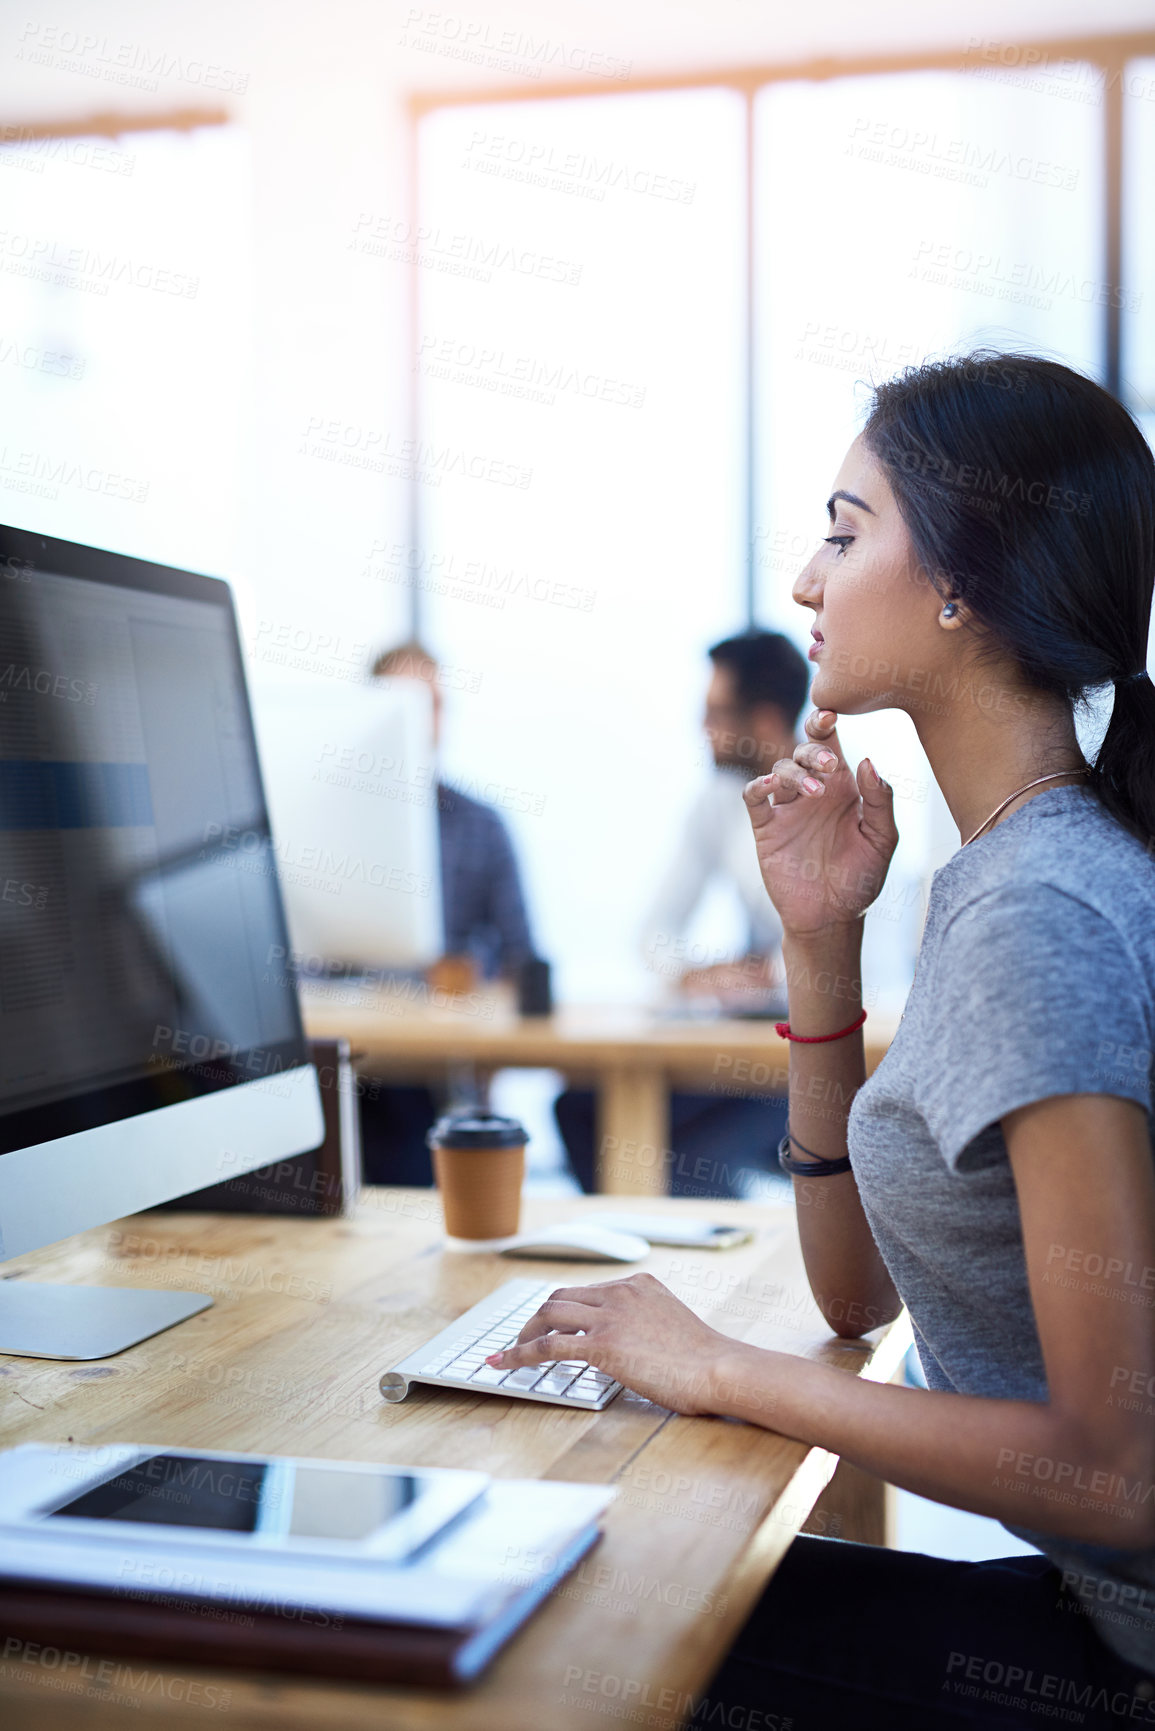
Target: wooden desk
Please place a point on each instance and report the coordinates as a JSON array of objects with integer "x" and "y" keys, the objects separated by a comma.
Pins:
[
  {"x": 307, "y": 1315},
  {"x": 632, "y": 1057}
]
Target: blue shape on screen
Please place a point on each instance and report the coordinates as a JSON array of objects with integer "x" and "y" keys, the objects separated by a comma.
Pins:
[{"x": 74, "y": 795}]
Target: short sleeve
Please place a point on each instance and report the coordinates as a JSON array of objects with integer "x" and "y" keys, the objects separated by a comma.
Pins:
[{"x": 1030, "y": 993}]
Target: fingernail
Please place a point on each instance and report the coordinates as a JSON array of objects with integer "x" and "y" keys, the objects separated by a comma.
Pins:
[
  {"x": 497, "y": 1358},
  {"x": 825, "y": 716},
  {"x": 872, "y": 772},
  {"x": 827, "y": 759},
  {"x": 767, "y": 779},
  {"x": 811, "y": 785}
]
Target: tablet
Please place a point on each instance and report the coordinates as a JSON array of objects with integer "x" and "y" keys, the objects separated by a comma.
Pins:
[{"x": 278, "y": 1505}]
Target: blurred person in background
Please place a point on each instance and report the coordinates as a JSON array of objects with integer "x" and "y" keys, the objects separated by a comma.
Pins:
[
  {"x": 486, "y": 923},
  {"x": 757, "y": 687}
]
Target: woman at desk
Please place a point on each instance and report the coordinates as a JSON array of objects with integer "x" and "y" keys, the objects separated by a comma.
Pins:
[{"x": 989, "y": 562}]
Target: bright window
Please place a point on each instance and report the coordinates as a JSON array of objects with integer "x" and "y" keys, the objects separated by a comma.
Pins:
[
  {"x": 898, "y": 219},
  {"x": 581, "y": 367},
  {"x": 125, "y": 340},
  {"x": 1138, "y": 314}
]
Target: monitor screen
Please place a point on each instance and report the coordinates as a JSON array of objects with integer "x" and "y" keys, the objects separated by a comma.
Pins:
[{"x": 139, "y": 905}]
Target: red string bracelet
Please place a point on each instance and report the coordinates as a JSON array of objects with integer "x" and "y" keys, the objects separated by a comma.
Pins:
[{"x": 783, "y": 1030}]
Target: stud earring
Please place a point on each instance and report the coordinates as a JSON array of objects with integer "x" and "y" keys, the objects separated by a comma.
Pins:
[{"x": 950, "y": 610}]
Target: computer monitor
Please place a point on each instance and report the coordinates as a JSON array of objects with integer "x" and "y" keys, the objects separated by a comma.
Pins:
[
  {"x": 352, "y": 787},
  {"x": 148, "y": 1045}
]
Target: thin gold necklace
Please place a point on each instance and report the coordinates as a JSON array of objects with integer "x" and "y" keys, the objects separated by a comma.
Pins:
[{"x": 1056, "y": 775}]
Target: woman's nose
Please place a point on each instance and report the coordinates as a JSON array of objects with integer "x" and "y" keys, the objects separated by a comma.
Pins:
[{"x": 807, "y": 590}]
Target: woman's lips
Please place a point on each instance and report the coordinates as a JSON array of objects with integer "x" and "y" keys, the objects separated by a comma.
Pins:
[{"x": 816, "y": 646}]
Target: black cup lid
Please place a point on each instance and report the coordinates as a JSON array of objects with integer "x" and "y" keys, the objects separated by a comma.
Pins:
[{"x": 476, "y": 1130}]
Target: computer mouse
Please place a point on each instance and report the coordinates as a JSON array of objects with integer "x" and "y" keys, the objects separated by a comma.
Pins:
[{"x": 579, "y": 1241}]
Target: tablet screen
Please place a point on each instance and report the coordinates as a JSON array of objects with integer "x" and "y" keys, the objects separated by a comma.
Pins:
[{"x": 250, "y": 1497}]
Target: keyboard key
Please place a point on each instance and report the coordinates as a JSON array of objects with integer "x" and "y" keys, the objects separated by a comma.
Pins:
[
  {"x": 555, "y": 1382},
  {"x": 524, "y": 1379},
  {"x": 489, "y": 1376},
  {"x": 591, "y": 1383}
]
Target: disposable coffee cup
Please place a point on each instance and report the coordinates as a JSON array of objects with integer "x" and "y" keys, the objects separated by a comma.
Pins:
[{"x": 479, "y": 1165}]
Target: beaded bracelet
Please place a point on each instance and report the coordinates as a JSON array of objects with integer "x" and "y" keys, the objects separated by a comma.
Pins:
[{"x": 815, "y": 1167}]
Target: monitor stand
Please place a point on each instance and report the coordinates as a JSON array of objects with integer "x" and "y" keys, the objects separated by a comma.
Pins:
[{"x": 38, "y": 1321}]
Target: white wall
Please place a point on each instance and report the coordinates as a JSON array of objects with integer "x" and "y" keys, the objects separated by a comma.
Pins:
[{"x": 321, "y": 329}]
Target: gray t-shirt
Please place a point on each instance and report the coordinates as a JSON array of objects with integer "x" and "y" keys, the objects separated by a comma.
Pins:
[{"x": 1035, "y": 977}]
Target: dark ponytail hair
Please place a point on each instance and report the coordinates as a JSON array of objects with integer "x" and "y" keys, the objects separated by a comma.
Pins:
[{"x": 1028, "y": 492}]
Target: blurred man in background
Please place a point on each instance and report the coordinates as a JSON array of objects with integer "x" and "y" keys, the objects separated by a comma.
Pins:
[
  {"x": 482, "y": 901},
  {"x": 757, "y": 687},
  {"x": 483, "y": 908},
  {"x": 718, "y": 1147}
]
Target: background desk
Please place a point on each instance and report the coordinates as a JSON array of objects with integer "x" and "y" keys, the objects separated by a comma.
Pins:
[
  {"x": 308, "y": 1313},
  {"x": 631, "y": 1057}
]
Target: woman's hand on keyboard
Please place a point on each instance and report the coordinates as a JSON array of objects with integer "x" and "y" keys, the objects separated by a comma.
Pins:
[{"x": 637, "y": 1332}]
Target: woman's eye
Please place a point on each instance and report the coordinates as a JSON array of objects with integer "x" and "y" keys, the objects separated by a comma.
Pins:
[{"x": 842, "y": 542}]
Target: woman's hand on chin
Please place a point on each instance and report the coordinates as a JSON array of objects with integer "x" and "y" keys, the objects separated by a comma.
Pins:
[
  {"x": 639, "y": 1333},
  {"x": 824, "y": 832}
]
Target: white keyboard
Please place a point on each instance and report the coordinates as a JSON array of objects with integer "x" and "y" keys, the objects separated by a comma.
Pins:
[{"x": 456, "y": 1357}]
